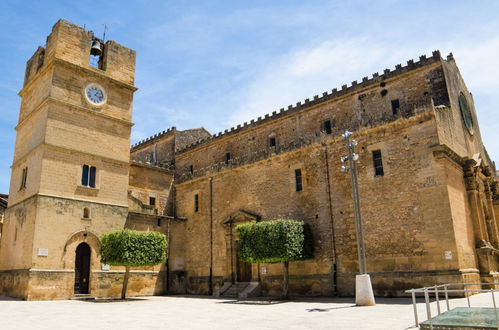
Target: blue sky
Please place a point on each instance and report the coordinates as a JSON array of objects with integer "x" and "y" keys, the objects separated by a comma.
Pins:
[{"x": 220, "y": 63}]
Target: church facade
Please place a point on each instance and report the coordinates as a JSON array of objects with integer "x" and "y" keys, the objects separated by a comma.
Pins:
[{"x": 429, "y": 192}]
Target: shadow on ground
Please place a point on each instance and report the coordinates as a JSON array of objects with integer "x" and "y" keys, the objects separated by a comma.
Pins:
[{"x": 99, "y": 301}]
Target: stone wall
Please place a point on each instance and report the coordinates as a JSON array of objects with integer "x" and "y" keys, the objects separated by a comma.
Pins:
[
  {"x": 360, "y": 107},
  {"x": 401, "y": 240}
]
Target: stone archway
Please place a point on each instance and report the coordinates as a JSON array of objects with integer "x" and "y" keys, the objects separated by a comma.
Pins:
[
  {"x": 238, "y": 270},
  {"x": 81, "y": 255}
]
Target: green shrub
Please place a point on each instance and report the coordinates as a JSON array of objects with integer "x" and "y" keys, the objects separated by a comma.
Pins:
[
  {"x": 281, "y": 240},
  {"x": 131, "y": 248}
]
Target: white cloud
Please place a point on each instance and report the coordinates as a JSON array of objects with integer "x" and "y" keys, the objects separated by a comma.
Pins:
[{"x": 308, "y": 71}]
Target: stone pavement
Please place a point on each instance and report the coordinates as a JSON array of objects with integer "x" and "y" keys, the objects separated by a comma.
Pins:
[{"x": 201, "y": 312}]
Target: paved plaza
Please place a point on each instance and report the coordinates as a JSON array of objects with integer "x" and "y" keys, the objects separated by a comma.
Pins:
[{"x": 198, "y": 312}]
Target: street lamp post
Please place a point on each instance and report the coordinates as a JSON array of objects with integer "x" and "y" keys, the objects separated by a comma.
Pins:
[{"x": 363, "y": 289}]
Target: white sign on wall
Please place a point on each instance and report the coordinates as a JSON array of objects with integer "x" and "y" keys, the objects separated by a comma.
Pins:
[
  {"x": 263, "y": 270},
  {"x": 104, "y": 267},
  {"x": 448, "y": 255},
  {"x": 43, "y": 252}
]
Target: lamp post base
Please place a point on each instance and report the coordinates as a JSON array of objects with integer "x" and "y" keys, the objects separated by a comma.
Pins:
[{"x": 364, "y": 295}]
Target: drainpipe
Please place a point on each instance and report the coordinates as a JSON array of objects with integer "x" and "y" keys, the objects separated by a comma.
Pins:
[
  {"x": 210, "y": 283},
  {"x": 333, "y": 243}
]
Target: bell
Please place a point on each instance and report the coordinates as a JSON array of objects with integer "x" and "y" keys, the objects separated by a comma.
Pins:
[{"x": 96, "y": 48}]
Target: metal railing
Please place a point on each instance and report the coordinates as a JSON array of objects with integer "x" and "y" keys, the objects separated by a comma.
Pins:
[{"x": 450, "y": 288}]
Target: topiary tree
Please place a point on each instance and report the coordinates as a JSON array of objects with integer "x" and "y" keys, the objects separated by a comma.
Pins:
[
  {"x": 281, "y": 240},
  {"x": 132, "y": 248}
]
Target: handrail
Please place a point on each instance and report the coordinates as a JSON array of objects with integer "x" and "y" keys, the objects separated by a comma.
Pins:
[{"x": 436, "y": 290}]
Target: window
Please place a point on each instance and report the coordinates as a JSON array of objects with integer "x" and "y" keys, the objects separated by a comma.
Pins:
[
  {"x": 196, "y": 203},
  {"x": 152, "y": 201},
  {"x": 378, "y": 163},
  {"x": 395, "y": 106},
  {"x": 228, "y": 158},
  {"x": 88, "y": 176},
  {"x": 191, "y": 169},
  {"x": 298, "y": 180},
  {"x": 272, "y": 142},
  {"x": 328, "y": 127},
  {"x": 86, "y": 213},
  {"x": 24, "y": 178}
]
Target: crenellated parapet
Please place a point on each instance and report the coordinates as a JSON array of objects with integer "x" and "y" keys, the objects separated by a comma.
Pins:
[
  {"x": 375, "y": 79},
  {"x": 153, "y": 138}
]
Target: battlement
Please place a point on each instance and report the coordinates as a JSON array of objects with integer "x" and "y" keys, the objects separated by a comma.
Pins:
[
  {"x": 72, "y": 44},
  {"x": 421, "y": 111},
  {"x": 153, "y": 138},
  {"x": 376, "y": 78}
]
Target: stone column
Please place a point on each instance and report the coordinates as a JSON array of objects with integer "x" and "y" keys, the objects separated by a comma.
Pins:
[
  {"x": 489, "y": 212},
  {"x": 479, "y": 227}
]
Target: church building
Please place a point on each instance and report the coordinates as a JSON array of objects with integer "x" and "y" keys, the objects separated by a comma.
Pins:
[{"x": 429, "y": 191}]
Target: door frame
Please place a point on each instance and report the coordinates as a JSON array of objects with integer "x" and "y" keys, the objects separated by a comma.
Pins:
[{"x": 237, "y": 218}]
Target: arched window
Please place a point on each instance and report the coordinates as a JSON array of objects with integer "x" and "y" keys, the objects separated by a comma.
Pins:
[{"x": 86, "y": 213}]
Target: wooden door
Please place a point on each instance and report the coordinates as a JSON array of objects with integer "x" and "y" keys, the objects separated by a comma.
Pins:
[
  {"x": 82, "y": 269},
  {"x": 243, "y": 270}
]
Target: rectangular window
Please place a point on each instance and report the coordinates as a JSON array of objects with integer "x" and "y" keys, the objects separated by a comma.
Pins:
[
  {"x": 395, "y": 106},
  {"x": 88, "y": 174},
  {"x": 328, "y": 129},
  {"x": 24, "y": 178},
  {"x": 378, "y": 163},
  {"x": 272, "y": 142},
  {"x": 228, "y": 158},
  {"x": 196, "y": 203},
  {"x": 91, "y": 180},
  {"x": 298, "y": 180},
  {"x": 152, "y": 201}
]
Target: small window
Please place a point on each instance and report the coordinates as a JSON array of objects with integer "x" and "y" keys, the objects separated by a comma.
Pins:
[
  {"x": 298, "y": 180},
  {"x": 24, "y": 178},
  {"x": 88, "y": 174},
  {"x": 272, "y": 142},
  {"x": 196, "y": 203},
  {"x": 228, "y": 158},
  {"x": 152, "y": 201},
  {"x": 86, "y": 213},
  {"x": 395, "y": 106},
  {"x": 378, "y": 163},
  {"x": 328, "y": 129},
  {"x": 191, "y": 169}
]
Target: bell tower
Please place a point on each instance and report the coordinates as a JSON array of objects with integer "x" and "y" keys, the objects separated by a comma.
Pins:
[{"x": 70, "y": 169}]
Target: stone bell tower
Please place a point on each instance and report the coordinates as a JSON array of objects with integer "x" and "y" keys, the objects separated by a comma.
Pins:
[{"x": 70, "y": 168}]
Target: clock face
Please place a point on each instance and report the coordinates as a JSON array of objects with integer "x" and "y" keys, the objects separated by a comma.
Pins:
[
  {"x": 466, "y": 113},
  {"x": 95, "y": 94}
]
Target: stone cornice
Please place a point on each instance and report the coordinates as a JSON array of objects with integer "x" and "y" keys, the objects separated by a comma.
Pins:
[
  {"x": 152, "y": 167},
  {"x": 52, "y": 146},
  {"x": 88, "y": 70},
  {"x": 49, "y": 99}
]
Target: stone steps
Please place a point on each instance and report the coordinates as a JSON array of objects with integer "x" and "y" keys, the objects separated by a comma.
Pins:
[
  {"x": 83, "y": 297},
  {"x": 234, "y": 290}
]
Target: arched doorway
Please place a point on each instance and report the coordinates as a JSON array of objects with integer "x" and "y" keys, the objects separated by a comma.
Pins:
[{"x": 82, "y": 269}]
